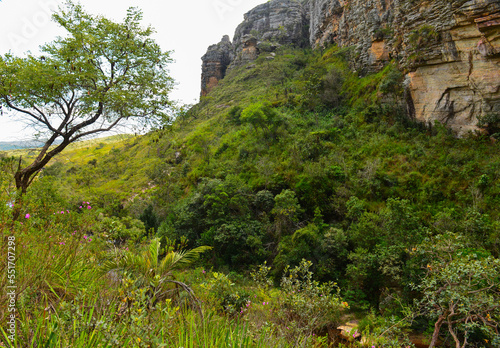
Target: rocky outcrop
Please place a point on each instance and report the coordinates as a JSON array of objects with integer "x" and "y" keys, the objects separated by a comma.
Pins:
[
  {"x": 461, "y": 81},
  {"x": 449, "y": 49},
  {"x": 215, "y": 63},
  {"x": 264, "y": 29},
  {"x": 270, "y": 25}
]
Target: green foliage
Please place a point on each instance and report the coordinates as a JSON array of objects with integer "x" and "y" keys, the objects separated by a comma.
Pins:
[
  {"x": 385, "y": 331},
  {"x": 422, "y": 36},
  {"x": 262, "y": 116},
  {"x": 102, "y": 73},
  {"x": 419, "y": 39},
  {"x": 149, "y": 270},
  {"x": 350, "y": 185},
  {"x": 301, "y": 245},
  {"x": 260, "y": 276},
  {"x": 150, "y": 219},
  {"x": 382, "y": 242},
  {"x": 491, "y": 123},
  {"x": 460, "y": 289},
  {"x": 221, "y": 214},
  {"x": 307, "y": 306},
  {"x": 286, "y": 210},
  {"x": 119, "y": 230},
  {"x": 223, "y": 295},
  {"x": 234, "y": 115}
]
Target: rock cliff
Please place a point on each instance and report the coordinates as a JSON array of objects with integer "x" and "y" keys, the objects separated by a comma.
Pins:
[
  {"x": 215, "y": 64},
  {"x": 270, "y": 25},
  {"x": 449, "y": 49},
  {"x": 264, "y": 28}
]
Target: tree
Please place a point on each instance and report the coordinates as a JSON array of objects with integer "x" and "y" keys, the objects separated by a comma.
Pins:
[
  {"x": 101, "y": 74},
  {"x": 285, "y": 211},
  {"x": 263, "y": 116},
  {"x": 461, "y": 289}
]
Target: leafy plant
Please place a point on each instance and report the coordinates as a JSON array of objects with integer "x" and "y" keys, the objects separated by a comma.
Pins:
[
  {"x": 262, "y": 116},
  {"x": 460, "y": 289},
  {"x": 306, "y": 306},
  {"x": 152, "y": 272},
  {"x": 491, "y": 123}
]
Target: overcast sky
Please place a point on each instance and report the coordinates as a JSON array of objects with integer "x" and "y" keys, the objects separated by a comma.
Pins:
[{"x": 187, "y": 27}]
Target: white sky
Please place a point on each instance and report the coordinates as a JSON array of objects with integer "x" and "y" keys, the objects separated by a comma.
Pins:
[{"x": 187, "y": 27}]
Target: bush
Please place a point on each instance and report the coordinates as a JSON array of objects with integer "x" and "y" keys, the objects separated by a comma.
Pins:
[
  {"x": 262, "y": 116},
  {"x": 222, "y": 294},
  {"x": 306, "y": 306},
  {"x": 150, "y": 219},
  {"x": 384, "y": 332},
  {"x": 491, "y": 123},
  {"x": 119, "y": 230},
  {"x": 460, "y": 289}
]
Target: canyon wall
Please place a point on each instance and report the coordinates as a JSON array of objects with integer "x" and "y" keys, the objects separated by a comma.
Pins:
[{"x": 448, "y": 49}]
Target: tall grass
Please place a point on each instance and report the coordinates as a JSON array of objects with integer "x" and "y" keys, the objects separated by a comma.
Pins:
[{"x": 65, "y": 297}]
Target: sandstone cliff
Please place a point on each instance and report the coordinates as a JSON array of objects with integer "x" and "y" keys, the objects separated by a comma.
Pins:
[
  {"x": 449, "y": 49},
  {"x": 215, "y": 63},
  {"x": 270, "y": 25},
  {"x": 264, "y": 28}
]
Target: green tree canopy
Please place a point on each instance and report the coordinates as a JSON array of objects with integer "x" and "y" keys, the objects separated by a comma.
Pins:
[
  {"x": 461, "y": 289},
  {"x": 93, "y": 79}
]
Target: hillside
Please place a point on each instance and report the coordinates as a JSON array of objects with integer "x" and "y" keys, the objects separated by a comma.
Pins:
[
  {"x": 296, "y": 157},
  {"x": 312, "y": 197},
  {"x": 448, "y": 50},
  {"x": 13, "y": 145}
]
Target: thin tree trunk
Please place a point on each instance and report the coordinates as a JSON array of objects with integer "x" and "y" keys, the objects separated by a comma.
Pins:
[
  {"x": 435, "y": 335},
  {"x": 18, "y": 206},
  {"x": 454, "y": 335}
]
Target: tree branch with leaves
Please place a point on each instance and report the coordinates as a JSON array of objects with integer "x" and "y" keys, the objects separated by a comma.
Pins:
[
  {"x": 460, "y": 289},
  {"x": 97, "y": 77}
]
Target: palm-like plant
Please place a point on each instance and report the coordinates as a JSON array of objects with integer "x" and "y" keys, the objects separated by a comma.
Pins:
[{"x": 149, "y": 271}]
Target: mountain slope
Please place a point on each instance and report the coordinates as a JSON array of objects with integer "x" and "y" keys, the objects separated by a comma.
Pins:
[
  {"x": 448, "y": 50},
  {"x": 294, "y": 156}
]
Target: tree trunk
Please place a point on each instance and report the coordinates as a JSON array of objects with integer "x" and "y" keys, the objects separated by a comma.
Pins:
[
  {"x": 435, "y": 335},
  {"x": 18, "y": 204},
  {"x": 454, "y": 335},
  {"x": 25, "y": 176}
]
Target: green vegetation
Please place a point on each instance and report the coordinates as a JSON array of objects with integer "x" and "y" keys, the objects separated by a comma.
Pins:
[
  {"x": 98, "y": 76},
  {"x": 294, "y": 162},
  {"x": 419, "y": 39}
]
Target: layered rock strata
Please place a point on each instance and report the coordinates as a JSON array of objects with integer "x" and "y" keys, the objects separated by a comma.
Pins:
[
  {"x": 449, "y": 49},
  {"x": 270, "y": 25}
]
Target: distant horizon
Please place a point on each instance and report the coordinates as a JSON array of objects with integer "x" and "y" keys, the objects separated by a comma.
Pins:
[{"x": 36, "y": 143}]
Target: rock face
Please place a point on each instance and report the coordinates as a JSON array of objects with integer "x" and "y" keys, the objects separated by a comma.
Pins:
[
  {"x": 264, "y": 28},
  {"x": 215, "y": 64},
  {"x": 459, "y": 81},
  {"x": 269, "y": 25},
  {"x": 449, "y": 49}
]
